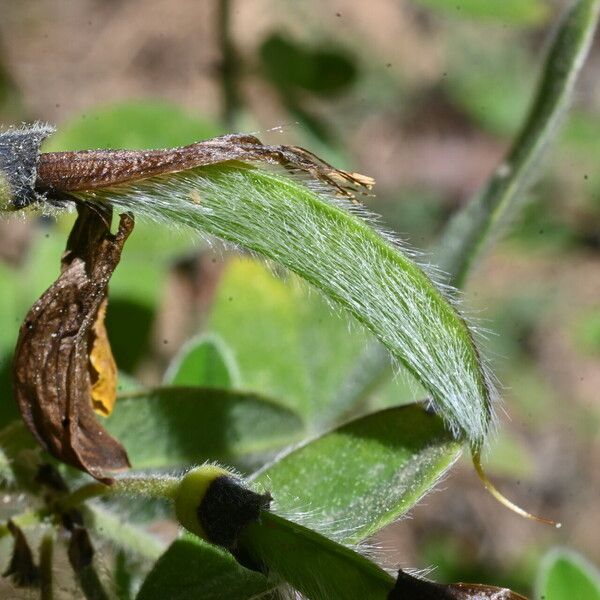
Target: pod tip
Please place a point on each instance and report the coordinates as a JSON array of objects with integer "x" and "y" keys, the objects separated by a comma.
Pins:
[{"x": 491, "y": 488}]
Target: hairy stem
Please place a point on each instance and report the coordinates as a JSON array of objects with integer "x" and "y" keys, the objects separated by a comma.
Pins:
[
  {"x": 483, "y": 219},
  {"x": 149, "y": 487}
]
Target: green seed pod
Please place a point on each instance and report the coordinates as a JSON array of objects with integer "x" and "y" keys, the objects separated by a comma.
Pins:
[
  {"x": 217, "y": 506},
  {"x": 19, "y": 155}
]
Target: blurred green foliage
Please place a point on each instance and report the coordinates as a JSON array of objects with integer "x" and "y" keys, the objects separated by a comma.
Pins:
[
  {"x": 514, "y": 12},
  {"x": 132, "y": 125},
  {"x": 292, "y": 67},
  {"x": 587, "y": 332}
]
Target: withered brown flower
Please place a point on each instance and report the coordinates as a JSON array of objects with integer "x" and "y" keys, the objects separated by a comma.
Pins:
[{"x": 63, "y": 367}]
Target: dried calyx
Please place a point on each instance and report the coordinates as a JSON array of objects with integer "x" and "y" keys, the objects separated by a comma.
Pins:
[
  {"x": 19, "y": 158},
  {"x": 63, "y": 368}
]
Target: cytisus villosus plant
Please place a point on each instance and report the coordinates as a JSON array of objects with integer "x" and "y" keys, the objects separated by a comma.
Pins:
[{"x": 286, "y": 205}]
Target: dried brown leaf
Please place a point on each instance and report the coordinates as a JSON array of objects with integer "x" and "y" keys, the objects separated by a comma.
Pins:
[{"x": 63, "y": 366}]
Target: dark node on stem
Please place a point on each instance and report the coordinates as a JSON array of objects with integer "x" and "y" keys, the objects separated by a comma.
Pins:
[
  {"x": 410, "y": 587},
  {"x": 22, "y": 568},
  {"x": 19, "y": 156},
  {"x": 227, "y": 508}
]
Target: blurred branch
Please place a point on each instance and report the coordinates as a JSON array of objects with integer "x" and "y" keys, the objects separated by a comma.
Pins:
[
  {"x": 484, "y": 218},
  {"x": 46, "y": 556},
  {"x": 81, "y": 557},
  {"x": 229, "y": 64}
]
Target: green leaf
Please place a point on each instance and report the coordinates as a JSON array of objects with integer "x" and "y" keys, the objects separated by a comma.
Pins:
[
  {"x": 587, "y": 332},
  {"x": 204, "y": 361},
  {"x": 192, "y": 569},
  {"x": 565, "y": 575},
  {"x": 353, "y": 265},
  {"x": 287, "y": 341},
  {"x": 482, "y": 220},
  {"x": 314, "y": 565},
  {"x": 358, "y": 478},
  {"x": 171, "y": 426},
  {"x": 517, "y": 12}
]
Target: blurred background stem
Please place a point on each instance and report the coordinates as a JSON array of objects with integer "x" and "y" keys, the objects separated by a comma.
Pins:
[{"x": 229, "y": 66}]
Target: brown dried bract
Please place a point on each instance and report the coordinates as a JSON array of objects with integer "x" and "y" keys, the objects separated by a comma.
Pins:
[
  {"x": 63, "y": 366},
  {"x": 97, "y": 169}
]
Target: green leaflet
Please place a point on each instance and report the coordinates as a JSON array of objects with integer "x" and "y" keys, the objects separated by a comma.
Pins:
[
  {"x": 318, "y": 568},
  {"x": 354, "y": 480},
  {"x": 204, "y": 361},
  {"x": 289, "y": 345},
  {"x": 171, "y": 426},
  {"x": 314, "y": 565},
  {"x": 357, "y": 268},
  {"x": 192, "y": 569},
  {"x": 565, "y": 574}
]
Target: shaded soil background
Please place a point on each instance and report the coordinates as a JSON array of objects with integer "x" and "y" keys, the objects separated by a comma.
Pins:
[{"x": 426, "y": 101}]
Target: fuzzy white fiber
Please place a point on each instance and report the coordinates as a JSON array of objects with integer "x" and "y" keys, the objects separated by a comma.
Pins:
[{"x": 338, "y": 249}]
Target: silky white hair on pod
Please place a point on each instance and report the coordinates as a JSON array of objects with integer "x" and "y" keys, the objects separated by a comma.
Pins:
[{"x": 331, "y": 242}]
